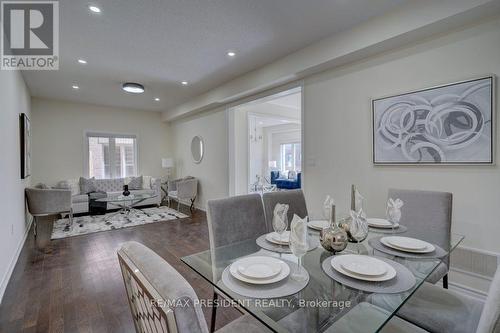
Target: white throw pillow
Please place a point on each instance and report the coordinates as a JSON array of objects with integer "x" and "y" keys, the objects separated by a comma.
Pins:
[
  {"x": 70, "y": 184},
  {"x": 146, "y": 182}
]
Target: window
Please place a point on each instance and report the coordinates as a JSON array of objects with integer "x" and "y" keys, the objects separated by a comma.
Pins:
[
  {"x": 291, "y": 157},
  {"x": 111, "y": 155}
]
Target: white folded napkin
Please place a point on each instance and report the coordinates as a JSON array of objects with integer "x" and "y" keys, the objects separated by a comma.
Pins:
[
  {"x": 394, "y": 209},
  {"x": 298, "y": 232},
  {"x": 358, "y": 200},
  {"x": 280, "y": 216},
  {"x": 327, "y": 207}
]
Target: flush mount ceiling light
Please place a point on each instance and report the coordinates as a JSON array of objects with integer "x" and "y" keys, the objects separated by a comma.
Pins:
[
  {"x": 231, "y": 53},
  {"x": 82, "y": 61},
  {"x": 94, "y": 9},
  {"x": 184, "y": 83},
  {"x": 132, "y": 87},
  {"x": 157, "y": 99},
  {"x": 75, "y": 87}
]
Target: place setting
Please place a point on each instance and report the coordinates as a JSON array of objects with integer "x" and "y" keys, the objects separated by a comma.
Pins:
[
  {"x": 261, "y": 276},
  {"x": 383, "y": 226},
  {"x": 279, "y": 239},
  {"x": 407, "y": 247},
  {"x": 367, "y": 273}
]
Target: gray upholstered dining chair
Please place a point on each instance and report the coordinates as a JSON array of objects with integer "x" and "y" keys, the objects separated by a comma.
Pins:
[
  {"x": 46, "y": 202},
  {"x": 232, "y": 220},
  {"x": 235, "y": 219},
  {"x": 439, "y": 310},
  {"x": 294, "y": 198},
  {"x": 161, "y": 300},
  {"x": 427, "y": 215}
]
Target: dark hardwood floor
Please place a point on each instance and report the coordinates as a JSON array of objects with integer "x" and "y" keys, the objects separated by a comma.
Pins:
[{"x": 75, "y": 284}]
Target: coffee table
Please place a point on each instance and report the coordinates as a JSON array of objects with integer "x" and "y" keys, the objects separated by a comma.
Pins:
[{"x": 126, "y": 204}]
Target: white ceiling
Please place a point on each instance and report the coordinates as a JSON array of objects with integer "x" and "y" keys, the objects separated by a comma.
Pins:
[{"x": 161, "y": 42}]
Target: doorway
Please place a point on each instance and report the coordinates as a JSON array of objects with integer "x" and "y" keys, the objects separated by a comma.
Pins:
[{"x": 265, "y": 149}]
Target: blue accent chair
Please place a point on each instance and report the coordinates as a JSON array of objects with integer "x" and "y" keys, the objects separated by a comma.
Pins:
[{"x": 286, "y": 184}]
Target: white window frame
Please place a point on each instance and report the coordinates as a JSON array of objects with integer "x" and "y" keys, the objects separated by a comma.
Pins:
[
  {"x": 282, "y": 166},
  {"x": 109, "y": 135}
]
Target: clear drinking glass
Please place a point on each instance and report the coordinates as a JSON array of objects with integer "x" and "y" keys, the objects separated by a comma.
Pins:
[{"x": 298, "y": 245}]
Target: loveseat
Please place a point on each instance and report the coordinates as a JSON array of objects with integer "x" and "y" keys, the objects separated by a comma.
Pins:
[
  {"x": 112, "y": 187},
  {"x": 286, "y": 183}
]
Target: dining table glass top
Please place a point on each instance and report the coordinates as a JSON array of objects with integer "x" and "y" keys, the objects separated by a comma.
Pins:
[{"x": 324, "y": 305}]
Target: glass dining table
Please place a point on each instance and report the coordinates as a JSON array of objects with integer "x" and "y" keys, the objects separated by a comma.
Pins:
[{"x": 324, "y": 305}]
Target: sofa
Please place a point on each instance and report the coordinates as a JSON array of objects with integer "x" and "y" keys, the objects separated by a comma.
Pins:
[
  {"x": 286, "y": 183},
  {"x": 112, "y": 187}
]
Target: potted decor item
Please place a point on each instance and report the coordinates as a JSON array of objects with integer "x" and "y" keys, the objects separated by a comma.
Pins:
[{"x": 126, "y": 192}]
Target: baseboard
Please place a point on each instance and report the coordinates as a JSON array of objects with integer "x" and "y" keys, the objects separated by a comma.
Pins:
[
  {"x": 465, "y": 290},
  {"x": 12, "y": 265}
]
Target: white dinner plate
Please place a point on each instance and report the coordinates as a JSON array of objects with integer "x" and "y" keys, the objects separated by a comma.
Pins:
[
  {"x": 381, "y": 223},
  {"x": 259, "y": 267},
  {"x": 275, "y": 238},
  {"x": 284, "y": 272},
  {"x": 407, "y": 244},
  {"x": 318, "y": 224},
  {"x": 337, "y": 264},
  {"x": 363, "y": 265}
]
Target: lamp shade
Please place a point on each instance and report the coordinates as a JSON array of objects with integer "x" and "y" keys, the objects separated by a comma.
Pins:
[{"x": 167, "y": 163}]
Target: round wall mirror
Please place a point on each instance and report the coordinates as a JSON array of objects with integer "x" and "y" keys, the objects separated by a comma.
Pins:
[{"x": 197, "y": 149}]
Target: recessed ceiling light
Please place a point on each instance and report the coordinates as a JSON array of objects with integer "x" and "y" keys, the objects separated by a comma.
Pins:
[
  {"x": 184, "y": 83},
  {"x": 157, "y": 99},
  {"x": 231, "y": 53},
  {"x": 132, "y": 87},
  {"x": 82, "y": 61},
  {"x": 75, "y": 87},
  {"x": 94, "y": 9}
]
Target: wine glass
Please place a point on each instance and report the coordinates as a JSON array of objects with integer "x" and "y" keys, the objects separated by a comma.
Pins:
[
  {"x": 280, "y": 220},
  {"x": 358, "y": 227},
  {"x": 298, "y": 244}
]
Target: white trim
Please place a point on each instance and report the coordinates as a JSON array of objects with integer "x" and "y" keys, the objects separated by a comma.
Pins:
[
  {"x": 476, "y": 275},
  {"x": 13, "y": 262},
  {"x": 465, "y": 290},
  {"x": 89, "y": 133}
]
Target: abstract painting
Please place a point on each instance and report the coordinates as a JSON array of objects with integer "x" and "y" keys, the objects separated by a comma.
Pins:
[
  {"x": 25, "y": 131},
  {"x": 449, "y": 124}
]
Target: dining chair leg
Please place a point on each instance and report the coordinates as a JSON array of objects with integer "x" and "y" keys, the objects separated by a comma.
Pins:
[
  {"x": 34, "y": 226},
  {"x": 445, "y": 281},
  {"x": 214, "y": 313}
]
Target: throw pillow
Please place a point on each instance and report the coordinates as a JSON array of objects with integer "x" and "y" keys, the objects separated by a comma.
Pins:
[
  {"x": 135, "y": 183},
  {"x": 42, "y": 186},
  {"x": 87, "y": 185},
  {"x": 71, "y": 184},
  {"x": 292, "y": 175},
  {"x": 146, "y": 182}
]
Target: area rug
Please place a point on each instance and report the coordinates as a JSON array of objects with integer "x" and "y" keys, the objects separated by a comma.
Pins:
[{"x": 110, "y": 221}]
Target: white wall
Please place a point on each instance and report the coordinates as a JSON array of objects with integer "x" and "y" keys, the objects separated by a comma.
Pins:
[
  {"x": 59, "y": 137},
  {"x": 14, "y": 99},
  {"x": 212, "y": 172},
  {"x": 338, "y": 131}
]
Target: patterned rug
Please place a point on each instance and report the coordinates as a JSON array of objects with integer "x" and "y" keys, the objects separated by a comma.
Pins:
[{"x": 89, "y": 224}]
